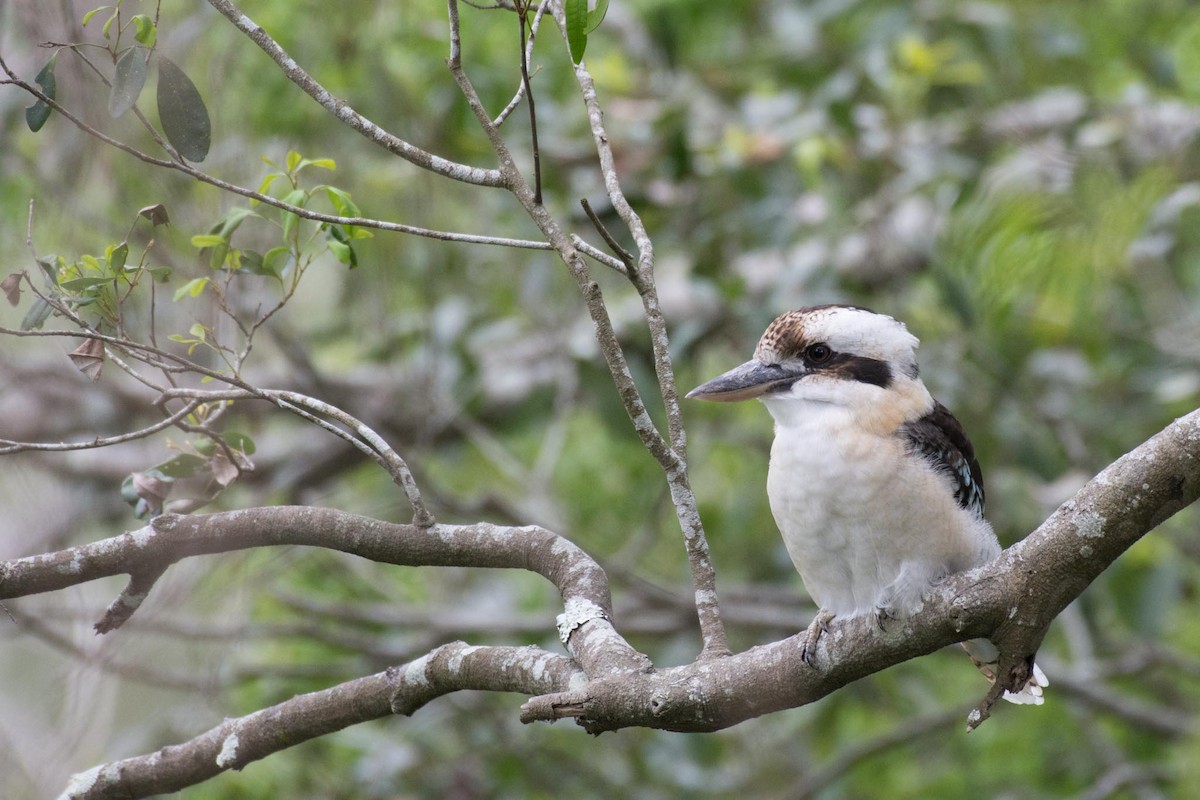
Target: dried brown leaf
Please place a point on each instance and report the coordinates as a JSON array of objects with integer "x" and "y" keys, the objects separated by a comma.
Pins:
[{"x": 88, "y": 358}]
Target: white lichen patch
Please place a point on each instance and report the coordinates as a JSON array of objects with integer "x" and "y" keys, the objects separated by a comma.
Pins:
[
  {"x": 456, "y": 661},
  {"x": 415, "y": 672},
  {"x": 1086, "y": 551},
  {"x": 578, "y": 610},
  {"x": 1090, "y": 524},
  {"x": 81, "y": 783},
  {"x": 229, "y": 749}
]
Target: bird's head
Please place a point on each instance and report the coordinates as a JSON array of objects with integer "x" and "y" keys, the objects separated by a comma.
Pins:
[{"x": 845, "y": 355}]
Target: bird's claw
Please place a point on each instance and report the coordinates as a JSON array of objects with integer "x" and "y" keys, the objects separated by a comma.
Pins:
[
  {"x": 883, "y": 615},
  {"x": 819, "y": 625}
]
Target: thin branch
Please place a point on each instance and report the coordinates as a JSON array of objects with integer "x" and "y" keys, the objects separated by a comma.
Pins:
[
  {"x": 365, "y": 439},
  {"x": 533, "y": 29},
  {"x": 7, "y": 446},
  {"x": 522, "y": 9},
  {"x": 626, "y": 257},
  {"x": 204, "y": 177},
  {"x": 695, "y": 541},
  {"x": 343, "y": 111}
]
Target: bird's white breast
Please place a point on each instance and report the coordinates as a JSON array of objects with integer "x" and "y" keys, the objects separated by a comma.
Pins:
[{"x": 865, "y": 523}]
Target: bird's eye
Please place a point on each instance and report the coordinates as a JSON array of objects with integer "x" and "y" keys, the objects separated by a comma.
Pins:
[{"x": 818, "y": 353}]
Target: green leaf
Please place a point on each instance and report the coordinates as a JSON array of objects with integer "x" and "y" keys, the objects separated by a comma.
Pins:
[
  {"x": 232, "y": 220},
  {"x": 323, "y": 163},
  {"x": 577, "y": 21},
  {"x": 88, "y": 16},
  {"x": 82, "y": 284},
  {"x": 146, "y": 32},
  {"x": 128, "y": 82},
  {"x": 344, "y": 253},
  {"x": 36, "y": 316},
  {"x": 297, "y": 197},
  {"x": 108, "y": 23},
  {"x": 37, "y": 114},
  {"x": 183, "y": 465},
  {"x": 293, "y": 160},
  {"x": 596, "y": 15},
  {"x": 342, "y": 202},
  {"x": 182, "y": 113},
  {"x": 192, "y": 288},
  {"x": 204, "y": 240},
  {"x": 49, "y": 266},
  {"x": 159, "y": 274},
  {"x": 239, "y": 441},
  {"x": 275, "y": 261},
  {"x": 117, "y": 256}
]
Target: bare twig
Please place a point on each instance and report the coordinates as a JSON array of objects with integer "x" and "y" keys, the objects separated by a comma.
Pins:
[
  {"x": 204, "y": 177},
  {"x": 365, "y": 438},
  {"x": 343, "y": 111},
  {"x": 7, "y": 446}
]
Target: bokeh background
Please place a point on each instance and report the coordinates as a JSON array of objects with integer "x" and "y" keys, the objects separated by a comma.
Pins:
[{"x": 1018, "y": 181}]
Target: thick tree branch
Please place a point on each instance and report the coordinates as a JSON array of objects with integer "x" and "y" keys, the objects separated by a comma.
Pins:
[
  {"x": 1011, "y": 600},
  {"x": 398, "y": 690},
  {"x": 585, "y": 625}
]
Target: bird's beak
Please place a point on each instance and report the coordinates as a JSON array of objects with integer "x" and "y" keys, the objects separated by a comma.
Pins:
[{"x": 750, "y": 380}]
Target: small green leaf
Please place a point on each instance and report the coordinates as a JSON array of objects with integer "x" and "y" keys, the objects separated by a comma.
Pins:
[
  {"x": 50, "y": 266},
  {"x": 182, "y": 113},
  {"x": 232, "y": 220},
  {"x": 275, "y": 261},
  {"x": 577, "y": 22},
  {"x": 342, "y": 202},
  {"x": 183, "y": 465},
  {"x": 265, "y": 186},
  {"x": 82, "y": 284},
  {"x": 37, "y": 114},
  {"x": 204, "y": 240},
  {"x": 128, "y": 82},
  {"x": 192, "y": 288},
  {"x": 36, "y": 316},
  {"x": 239, "y": 441},
  {"x": 323, "y": 163},
  {"x": 109, "y": 22},
  {"x": 344, "y": 253},
  {"x": 146, "y": 32},
  {"x": 297, "y": 197},
  {"x": 117, "y": 256},
  {"x": 159, "y": 274},
  {"x": 88, "y": 16},
  {"x": 596, "y": 15},
  {"x": 293, "y": 160}
]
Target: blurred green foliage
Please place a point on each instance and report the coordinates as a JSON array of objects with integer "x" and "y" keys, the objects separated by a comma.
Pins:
[{"x": 1016, "y": 180}]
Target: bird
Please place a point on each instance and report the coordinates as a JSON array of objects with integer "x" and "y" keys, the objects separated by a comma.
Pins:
[{"x": 873, "y": 483}]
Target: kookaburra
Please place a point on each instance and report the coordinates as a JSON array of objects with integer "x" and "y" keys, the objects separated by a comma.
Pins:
[{"x": 873, "y": 483}]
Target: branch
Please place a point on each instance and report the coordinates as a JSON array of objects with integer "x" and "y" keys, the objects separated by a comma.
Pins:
[
  {"x": 316, "y": 216},
  {"x": 1012, "y": 601},
  {"x": 365, "y": 438},
  {"x": 704, "y": 578},
  {"x": 343, "y": 111},
  {"x": 7, "y": 446},
  {"x": 238, "y": 742},
  {"x": 585, "y": 625}
]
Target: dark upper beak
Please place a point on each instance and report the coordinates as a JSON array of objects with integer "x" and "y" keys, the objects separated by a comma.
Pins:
[{"x": 750, "y": 380}]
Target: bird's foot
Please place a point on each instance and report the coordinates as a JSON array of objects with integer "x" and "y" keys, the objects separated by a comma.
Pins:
[
  {"x": 819, "y": 625},
  {"x": 884, "y": 615}
]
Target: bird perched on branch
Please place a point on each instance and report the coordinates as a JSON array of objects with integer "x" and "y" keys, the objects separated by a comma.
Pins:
[{"x": 873, "y": 483}]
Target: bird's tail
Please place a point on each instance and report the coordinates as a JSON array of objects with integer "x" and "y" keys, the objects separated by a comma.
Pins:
[{"x": 986, "y": 658}]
